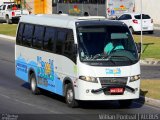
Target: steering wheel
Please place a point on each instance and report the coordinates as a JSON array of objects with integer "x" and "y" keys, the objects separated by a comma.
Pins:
[
  {"x": 101, "y": 55},
  {"x": 96, "y": 56},
  {"x": 115, "y": 50}
]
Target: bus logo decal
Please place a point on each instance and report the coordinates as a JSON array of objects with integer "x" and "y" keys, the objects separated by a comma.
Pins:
[
  {"x": 116, "y": 71},
  {"x": 21, "y": 67},
  {"x": 45, "y": 69}
]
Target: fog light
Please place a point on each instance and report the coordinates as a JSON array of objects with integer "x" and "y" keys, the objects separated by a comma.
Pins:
[{"x": 87, "y": 91}]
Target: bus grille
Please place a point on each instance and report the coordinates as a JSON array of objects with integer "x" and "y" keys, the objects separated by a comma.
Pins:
[
  {"x": 108, "y": 82},
  {"x": 113, "y": 81}
]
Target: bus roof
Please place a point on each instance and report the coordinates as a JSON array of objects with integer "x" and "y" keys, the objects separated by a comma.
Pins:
[{"x": 64, "y": 20}]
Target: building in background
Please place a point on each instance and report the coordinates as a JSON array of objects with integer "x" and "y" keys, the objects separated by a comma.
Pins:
[
  {"x": 41, "y": 6},
  {"x": 45, "y": 6},
  {"x": 150, "y": 7}
]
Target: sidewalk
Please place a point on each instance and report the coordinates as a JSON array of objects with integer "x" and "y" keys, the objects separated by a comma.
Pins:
[{"x": 150, "y": 61}]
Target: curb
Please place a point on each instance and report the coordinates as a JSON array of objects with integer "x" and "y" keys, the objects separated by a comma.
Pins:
[
  {"x": 150, "y": 62},
  {"x": 7, "y": 37},
  {"x": 149, "y": 101}
]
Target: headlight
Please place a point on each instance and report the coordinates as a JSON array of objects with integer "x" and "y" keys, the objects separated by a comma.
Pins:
[
  {"x": 88, "y": 79},
  {"x": 134, "y": 78}
]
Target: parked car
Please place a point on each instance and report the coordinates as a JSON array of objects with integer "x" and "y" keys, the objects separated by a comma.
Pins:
[
  {"x": 133, "y": 21},
  {"x": 11, "y": 11}
]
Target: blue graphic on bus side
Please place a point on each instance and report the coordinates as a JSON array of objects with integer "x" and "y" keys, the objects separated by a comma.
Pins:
[
  {"x": 46, "y": 78},
  {"x": 45, "y": 69}
]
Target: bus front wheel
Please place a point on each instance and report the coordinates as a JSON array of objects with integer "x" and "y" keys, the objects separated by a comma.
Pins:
[
  {"x": 69, "y": 96},
  {"x": 33, "y": 83},
  {"x": 125, "y": 103}
]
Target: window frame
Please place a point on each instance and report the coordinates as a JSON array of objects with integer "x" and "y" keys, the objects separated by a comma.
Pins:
[
  {"x": 52, "y": 51},
  {"x": 57, "y": 29},
  {"x": 4, "y": 7},
  {"x": 20, "y": 43},
  {"x": 31, "y": 35},
  {"x": 41, "y": 48}
]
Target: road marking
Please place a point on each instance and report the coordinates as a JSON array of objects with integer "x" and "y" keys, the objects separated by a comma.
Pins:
[{"x": 29, "y": 104}]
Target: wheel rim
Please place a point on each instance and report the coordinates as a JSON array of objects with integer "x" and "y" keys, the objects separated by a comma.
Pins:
[
  {"x": 70, "y": 95},
  {"x": 33, "y": 84},
  {"x": 7, "y": 19}
]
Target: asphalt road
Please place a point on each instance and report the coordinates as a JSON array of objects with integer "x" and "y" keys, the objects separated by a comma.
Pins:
[
  {"x": 150, "y": 72},
  {"x": 16, "y": 99}
]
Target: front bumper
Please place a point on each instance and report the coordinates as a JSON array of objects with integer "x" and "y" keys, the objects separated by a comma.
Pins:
[{"x": 94, "y": 91}]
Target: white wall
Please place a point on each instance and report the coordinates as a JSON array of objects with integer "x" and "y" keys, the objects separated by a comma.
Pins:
[{"x": 151, "y": 7}]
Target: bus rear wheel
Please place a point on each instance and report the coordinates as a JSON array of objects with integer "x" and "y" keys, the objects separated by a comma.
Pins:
[
  {"x": 125, "y": 103},
  {"x": 69, "y": 96},
  {"x": 33, "y": 83}
]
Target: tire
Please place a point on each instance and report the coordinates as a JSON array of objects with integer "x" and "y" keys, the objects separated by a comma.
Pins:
[
  {"x": 8, "y": 21},
  {"x": 125, "y": 103},
  {"x": 131, "y": 30},
  {"x": 150, "y": 32},
  {"x": 33, "y": 84},
  {"x": 70, "y": 97}
]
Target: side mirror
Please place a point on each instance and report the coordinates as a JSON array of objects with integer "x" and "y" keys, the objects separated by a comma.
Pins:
[{"x": 138, "y": 45}]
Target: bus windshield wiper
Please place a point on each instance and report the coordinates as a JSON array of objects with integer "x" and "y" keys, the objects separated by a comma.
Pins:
[{"x": 103, "y": 57}]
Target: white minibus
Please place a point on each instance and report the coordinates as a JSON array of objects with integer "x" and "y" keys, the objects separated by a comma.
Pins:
[{"x": 68, "y": 56}]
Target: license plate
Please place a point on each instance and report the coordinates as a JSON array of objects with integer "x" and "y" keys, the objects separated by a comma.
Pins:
[{"x": 116, "y": 90}]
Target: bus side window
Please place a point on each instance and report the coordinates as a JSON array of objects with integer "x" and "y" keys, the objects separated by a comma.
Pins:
[
  {"x": 62, "y": 34},
  {"x": 27, "y": 36},
  {"x": 49, "y": 39},
  {"x": 38, "y": 37},
  {"x": 68, "y": 46},
  {"x": 20, "y": 33}
]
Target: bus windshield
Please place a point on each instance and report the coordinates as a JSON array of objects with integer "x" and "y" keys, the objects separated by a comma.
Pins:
[{"x": 106, "y": 43}]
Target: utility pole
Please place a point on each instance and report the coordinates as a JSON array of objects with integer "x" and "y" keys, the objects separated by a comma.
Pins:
[
  {"x": 141, "y": 28},
  {"x": 21, "y": 5}
]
